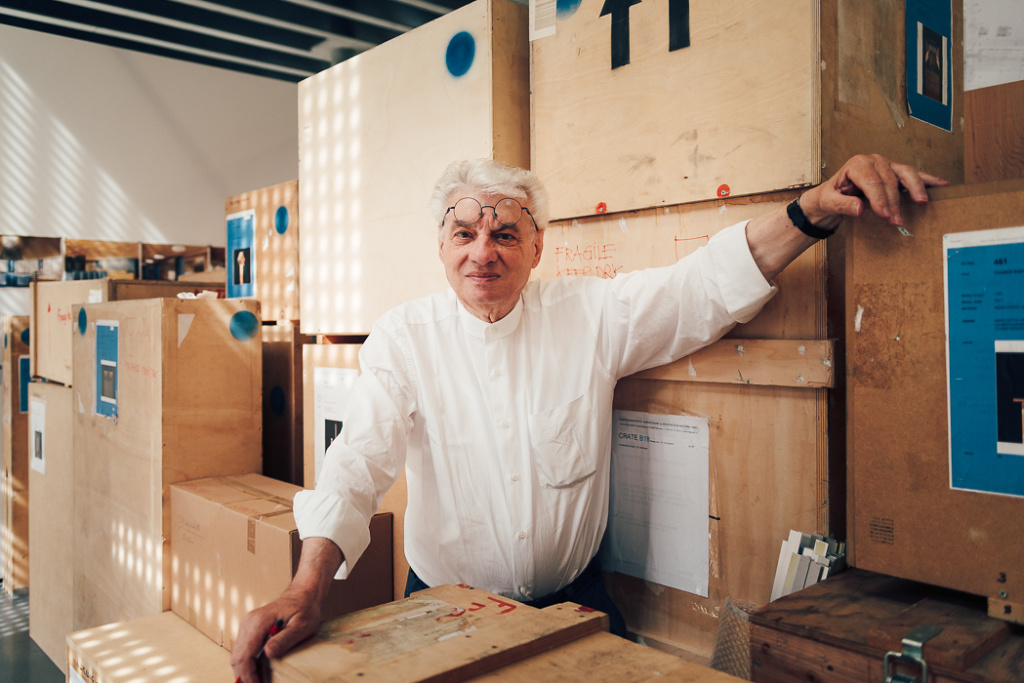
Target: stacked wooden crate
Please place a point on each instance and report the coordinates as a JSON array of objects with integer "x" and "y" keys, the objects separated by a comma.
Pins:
[
  {"x": 648, "y": 156},
  {"x": 14, "y": 494}
]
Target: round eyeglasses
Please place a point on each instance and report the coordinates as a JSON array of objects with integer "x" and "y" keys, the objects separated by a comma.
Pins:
[{"x": 507, "y": 212}]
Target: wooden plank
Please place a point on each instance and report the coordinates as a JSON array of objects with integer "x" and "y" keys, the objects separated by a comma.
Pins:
[
  {"x": 1006, "y": 610},
  {"x": 763, "y": 362},
  {"x": 897, "y": 405},
  {"x": 368, "y": 160},
  {"x": 14, "y": 435},
  {"x": 994, "y": 133},
  {"x": 445, "y": 633},
  {"x": 51, "y": 525},
  {"x": 161, "y": 647}
]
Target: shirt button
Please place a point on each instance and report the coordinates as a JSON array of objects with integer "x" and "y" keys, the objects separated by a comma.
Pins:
[
  {"x": 504, "y": 424},
  {"x": 514, "y": 477},
  {"x": 496, "y": 372},
  {"x": 524, "y": 591},
  {"x": 522, "y": 535}
]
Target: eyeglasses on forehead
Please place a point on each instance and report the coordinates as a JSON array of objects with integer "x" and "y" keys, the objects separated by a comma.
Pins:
[{"x": 507, "y": 212}]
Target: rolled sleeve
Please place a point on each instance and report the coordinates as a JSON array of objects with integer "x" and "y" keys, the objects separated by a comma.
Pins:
[
  {"x": 320, "y": 514},
  {"x": 742, "y": 286}
]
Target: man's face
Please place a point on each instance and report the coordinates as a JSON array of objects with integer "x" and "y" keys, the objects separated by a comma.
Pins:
[{"x": 489, "y": 264}]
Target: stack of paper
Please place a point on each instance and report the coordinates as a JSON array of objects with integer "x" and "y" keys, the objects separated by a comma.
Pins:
[{"x": 805, "y": 559}]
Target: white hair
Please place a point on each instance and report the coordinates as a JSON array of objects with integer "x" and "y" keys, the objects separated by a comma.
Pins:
[{"x": 490, "y": 177}]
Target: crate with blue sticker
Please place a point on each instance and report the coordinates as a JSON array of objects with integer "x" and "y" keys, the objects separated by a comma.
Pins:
[
  {"x": 262, "y": 254},
  {"x": 14, "y": 432},
  {"x": 165, "y": 390}
]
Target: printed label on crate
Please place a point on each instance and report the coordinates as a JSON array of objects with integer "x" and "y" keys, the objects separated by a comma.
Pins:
[
  {"x": 37, "y": 435},
  {"x": 241, "y": 256},
  {"x": 106, "y": 367}
]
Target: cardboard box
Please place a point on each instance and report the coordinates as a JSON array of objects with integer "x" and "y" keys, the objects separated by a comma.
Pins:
[
  {"x": 159, "y": 647},
  {"x": 282, "y": 401},
  {"x": 236, "y": 548},
  {"x": 263, "y": 248},
  {"x": 329, "y": 371},
  {"x": 52, "y": 316},
  {"x": 51, "y": 519},
  {"x": 16, "y": 376},
  {"x": 165, "y": 390},
  {"x": 756, "y": 99},
  {"x": 369, "y": 158}
]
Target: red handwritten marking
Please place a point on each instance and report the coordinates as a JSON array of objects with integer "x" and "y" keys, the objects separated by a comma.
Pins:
[
  {"x": 503, "y": 604},
  {"x": 589, "y": 252},
  {"x": 458, "y": 612},
  {"x": 464, "y": 585},
  {"x": 478, "y": 606},
  {"x": 607, "y": 271},
  {"x": 582, "y": 608},
  {"x": 365, "y": 635},
  {"x": 679, "y": 240}
]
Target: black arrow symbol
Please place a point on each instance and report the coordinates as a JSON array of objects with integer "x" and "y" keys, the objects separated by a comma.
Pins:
[
  {"x": 678, "y": 24},
  {"x": 619, "y": 9}
]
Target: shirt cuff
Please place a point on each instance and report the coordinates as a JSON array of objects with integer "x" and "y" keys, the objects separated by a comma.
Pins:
[
  {"x": 319, "y": 514},
  {"x": 741, "y": 283}
]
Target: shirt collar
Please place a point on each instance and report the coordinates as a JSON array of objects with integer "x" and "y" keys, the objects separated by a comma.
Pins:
[{"x": 485, "y": 330}]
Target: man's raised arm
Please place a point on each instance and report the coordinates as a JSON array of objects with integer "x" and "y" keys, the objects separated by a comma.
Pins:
[{"x": 775, "y": 241}]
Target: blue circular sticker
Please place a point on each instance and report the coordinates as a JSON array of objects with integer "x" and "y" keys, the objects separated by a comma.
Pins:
[
  {"x": 281, "y": 220},
  {"x": 460, "y": 54},
  {"x": 244, "y": 325},
  {"x": 277, "y": 401},
  {"x": 83, "y": 321},
  {"x": 5, "y": 341},
  {"x": 567, "y": 8},
  {"x": 26, "y": 337}
]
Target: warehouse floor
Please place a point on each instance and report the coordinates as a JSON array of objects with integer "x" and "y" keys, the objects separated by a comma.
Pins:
[{"x": 21, "y": 660}]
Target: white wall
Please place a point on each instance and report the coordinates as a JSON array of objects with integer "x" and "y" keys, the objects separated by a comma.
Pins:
[{"x": 102, "y": 143}]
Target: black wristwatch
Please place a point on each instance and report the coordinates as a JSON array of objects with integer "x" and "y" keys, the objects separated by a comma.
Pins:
[{"x": 796, "y": 214}]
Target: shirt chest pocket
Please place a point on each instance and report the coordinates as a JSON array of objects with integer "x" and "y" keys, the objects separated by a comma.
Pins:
[{"x": 560, "y": 460}]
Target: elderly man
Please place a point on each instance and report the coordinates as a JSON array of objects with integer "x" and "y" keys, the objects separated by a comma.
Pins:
[{"x": 495, "y": 397}]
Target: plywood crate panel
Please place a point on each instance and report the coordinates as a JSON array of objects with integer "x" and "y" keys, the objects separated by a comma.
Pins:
[
  {"x": 51, "y": 519},
  {"x": 906, "y": 519},
  {"x": 159, "y": 647},
  {"x": 767, "y": 96},
  {"x": 14, "y": 432},
  {"x": 52, "y": 322},
  {"x": 275, "y": 247},
  {"x": 376, "y": 131},
  {"x": 329, "y": 370},
  {"x": 282, "y": 401},
  {"x": 187, "y": 385}
]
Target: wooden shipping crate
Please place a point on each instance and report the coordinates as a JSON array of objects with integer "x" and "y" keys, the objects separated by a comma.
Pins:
[
  {"x": 165, "y": 390},
  {"x": 52, "y": 324},
  {"x": 263, "y": 249},
  {"x": 918, "y": 508},
  {"x": 283, "y": 422},
  {"x": 841, "y": 629},
  {"x": 158, "y": 647},
  {"x": 376, "y": 131},
  {"x": 762, "y": 97},
  {"x": 329, "y": 370},
  {"x": 236, "y": 548},
  {"x": 458, "y": 633},
  {"x": 764, "y": 389},
  {"x": 14, "y": 498},
  {"x": 51, "y": 519}
]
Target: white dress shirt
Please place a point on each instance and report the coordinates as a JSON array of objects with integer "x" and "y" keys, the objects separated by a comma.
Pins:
[{"x": 504, "y": 429}]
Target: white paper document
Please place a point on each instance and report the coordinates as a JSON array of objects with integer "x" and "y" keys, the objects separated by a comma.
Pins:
[{"x": 658, "y": 516}]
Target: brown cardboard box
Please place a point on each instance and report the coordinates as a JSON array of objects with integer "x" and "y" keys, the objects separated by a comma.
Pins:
[
  {"x": 165, "y": 390},
  {"x": 14, "y": 497},
  {"x": 159, "y": 647},
  {"x": 51, "y": 519},
  {"x": 235, "y": 548},
  {"x": 52, "y": 320},
  {"x": 274, "y": 266}
]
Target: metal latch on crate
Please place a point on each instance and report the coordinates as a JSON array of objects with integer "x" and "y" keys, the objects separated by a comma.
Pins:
[{"x": 912, "y": 653}]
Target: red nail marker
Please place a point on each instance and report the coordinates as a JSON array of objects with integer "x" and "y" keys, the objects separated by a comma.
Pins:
[{"x": 274, "y": 630}]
